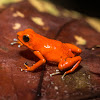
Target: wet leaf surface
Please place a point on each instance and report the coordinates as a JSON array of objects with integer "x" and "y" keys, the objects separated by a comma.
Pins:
[{"x": 84, "y": 83}]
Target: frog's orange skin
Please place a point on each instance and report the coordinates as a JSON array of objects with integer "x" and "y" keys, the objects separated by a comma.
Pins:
[{"x": 64, "y": 54}]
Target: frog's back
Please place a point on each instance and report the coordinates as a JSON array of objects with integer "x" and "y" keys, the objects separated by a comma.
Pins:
[{"x": 55, "y": 51}]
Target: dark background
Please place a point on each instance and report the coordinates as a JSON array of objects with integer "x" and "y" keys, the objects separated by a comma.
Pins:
[{"x": 88, "y": 7}]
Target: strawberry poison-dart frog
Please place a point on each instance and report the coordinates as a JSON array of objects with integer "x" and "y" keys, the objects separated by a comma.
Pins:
[{"x": 65, "y": 54}]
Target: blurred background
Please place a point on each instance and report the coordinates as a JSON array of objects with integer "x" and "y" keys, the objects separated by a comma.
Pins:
[{"x": 87, "y": 7}]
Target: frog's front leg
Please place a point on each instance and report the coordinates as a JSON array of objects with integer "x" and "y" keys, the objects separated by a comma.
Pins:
[
  {"x": 69, "y": 63},
  {"x": 36, "y": 65}
]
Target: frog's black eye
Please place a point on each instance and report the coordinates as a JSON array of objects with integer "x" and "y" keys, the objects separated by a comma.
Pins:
[{"x": 25, "y": 38}]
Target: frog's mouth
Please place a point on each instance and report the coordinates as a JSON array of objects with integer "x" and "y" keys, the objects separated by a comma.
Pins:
[{"x": 16, "y": 41}]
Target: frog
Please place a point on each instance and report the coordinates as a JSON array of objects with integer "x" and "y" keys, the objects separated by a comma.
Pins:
[{"x": 66, "y": 55}]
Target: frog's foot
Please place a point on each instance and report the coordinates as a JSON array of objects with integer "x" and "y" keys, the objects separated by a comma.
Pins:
[
  {"x": 56, "y": 73},
  {"x": 27, "y": 68},
  {"x": 16, "y": 42}
]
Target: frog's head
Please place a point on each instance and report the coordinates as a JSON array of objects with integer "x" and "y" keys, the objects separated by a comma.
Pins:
[{"x": 25, "y": 38}]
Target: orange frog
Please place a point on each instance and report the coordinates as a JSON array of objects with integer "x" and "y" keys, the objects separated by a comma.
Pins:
[{"x": 65, "y": 54}]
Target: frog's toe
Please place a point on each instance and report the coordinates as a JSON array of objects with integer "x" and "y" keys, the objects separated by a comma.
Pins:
[
  {"x": 24, "y": 70},
  {"x": 26, "y": 65},
  {"x": 63, "y": 76},
  {"x": 56, "y": 73},
  {"x": 27, "y": 68}
]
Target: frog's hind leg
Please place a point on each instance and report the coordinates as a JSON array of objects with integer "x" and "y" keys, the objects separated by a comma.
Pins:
[
  {"x": 73, "y": 48},
  {"x": 69, "y": 63}
]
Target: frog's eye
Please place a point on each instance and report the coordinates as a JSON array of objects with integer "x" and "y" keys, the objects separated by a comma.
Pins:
[{"x": 25, "y": 38}]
